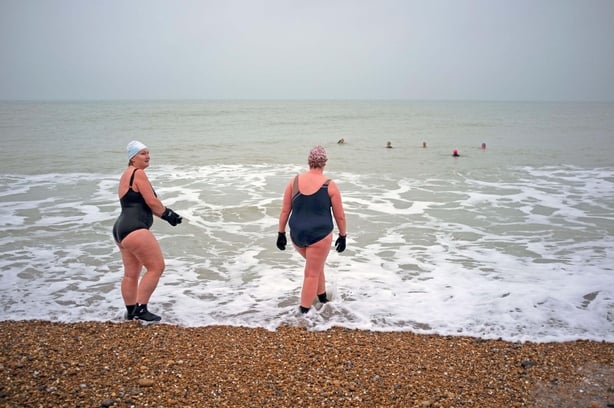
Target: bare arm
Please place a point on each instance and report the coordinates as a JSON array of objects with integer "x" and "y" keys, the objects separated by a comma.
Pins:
[
  {"x": 338, "y": 212},
  {"x": 143, "y": 186},
  {"x": 286, "y": 208}
]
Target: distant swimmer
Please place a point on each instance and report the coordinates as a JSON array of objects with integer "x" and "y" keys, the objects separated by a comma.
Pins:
[
  {"x": 424, "y": 145},
  {"x": 455, "y": 153},
  {"x": 389, "y": 145},
  {"x": 341, "y": 141},
  {"x": 483, "y": 146}
]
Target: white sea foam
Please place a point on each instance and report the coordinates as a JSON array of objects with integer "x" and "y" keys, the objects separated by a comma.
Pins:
[
  {"x": 520, "y": 259},
  {"x": 513, "y": 242}
]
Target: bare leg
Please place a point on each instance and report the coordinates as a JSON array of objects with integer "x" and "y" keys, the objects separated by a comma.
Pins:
[
  {"x": 140, "y": 248},
  {"x": 314, "y": 281},
  {"x": 132, "y": 272}
]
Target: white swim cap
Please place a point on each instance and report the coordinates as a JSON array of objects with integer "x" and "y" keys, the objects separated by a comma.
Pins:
[{"x": 134, "y": 147}]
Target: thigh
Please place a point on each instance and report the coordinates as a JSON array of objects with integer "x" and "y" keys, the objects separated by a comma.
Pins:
[
  {"x": 301, "y": 250},
  {"x": 318, "y": 252},
  {"x": 132, "y": 266},
  {"x": 143, "y": 247}
]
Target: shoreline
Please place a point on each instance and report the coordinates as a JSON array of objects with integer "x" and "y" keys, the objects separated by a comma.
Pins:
[{"x": 93, "y": 364}]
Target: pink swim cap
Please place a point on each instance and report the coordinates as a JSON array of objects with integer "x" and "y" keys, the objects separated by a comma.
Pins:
[{"x": 317, "y": 157}]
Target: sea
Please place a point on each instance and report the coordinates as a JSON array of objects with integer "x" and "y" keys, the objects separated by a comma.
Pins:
[{"x": 513, "y": 239}]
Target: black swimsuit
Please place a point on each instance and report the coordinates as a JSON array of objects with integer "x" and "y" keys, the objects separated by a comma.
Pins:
[
  {"x": 135, "y": 214},
  {"x": 310, "y": 220}
]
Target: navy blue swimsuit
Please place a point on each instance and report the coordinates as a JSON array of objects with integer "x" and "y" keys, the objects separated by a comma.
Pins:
[
  {"x": 311, "y": 219},
  {"x": 135, "y": 214}
]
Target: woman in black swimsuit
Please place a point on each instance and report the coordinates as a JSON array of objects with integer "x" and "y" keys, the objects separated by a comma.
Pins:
[
  {"x": 137, "y": 244},
  {"x": 308, "y": 201}
]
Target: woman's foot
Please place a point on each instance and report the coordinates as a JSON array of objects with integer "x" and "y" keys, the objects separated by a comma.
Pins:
[{"x": 141, "y": 313}]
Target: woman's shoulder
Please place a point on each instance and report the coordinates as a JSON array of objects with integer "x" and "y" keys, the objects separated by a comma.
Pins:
[
  {"x": 331, "y": 184},
  {"x": 139, "y": 173}
]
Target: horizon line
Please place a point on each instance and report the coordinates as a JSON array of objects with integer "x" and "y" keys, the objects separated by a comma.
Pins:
[{"x": 73, "y": 100}]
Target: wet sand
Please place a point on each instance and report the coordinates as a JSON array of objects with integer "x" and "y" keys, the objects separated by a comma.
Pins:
[{"x": 128, "y": 365}]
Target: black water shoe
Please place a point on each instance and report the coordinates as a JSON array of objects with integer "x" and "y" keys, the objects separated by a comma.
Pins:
[{"x": 141, "y": 313}]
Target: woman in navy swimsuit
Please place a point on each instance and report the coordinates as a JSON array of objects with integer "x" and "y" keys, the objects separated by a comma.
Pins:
[
  {"x": 307, "y": 203},
  {"x": 138, "y": 246}
]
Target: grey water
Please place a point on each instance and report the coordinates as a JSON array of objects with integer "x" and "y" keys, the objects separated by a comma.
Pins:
[{"x": 513, "y": 241}]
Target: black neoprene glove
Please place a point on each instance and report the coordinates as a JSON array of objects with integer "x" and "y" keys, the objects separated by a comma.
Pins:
[
  {"x": 340, "y": 243},
  {"x": 171, "y": 217},
  {"x": 281, "y": 240}
]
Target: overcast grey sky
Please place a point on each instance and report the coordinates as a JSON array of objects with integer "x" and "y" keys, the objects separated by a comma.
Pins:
[{"x": 307, "y": 49}]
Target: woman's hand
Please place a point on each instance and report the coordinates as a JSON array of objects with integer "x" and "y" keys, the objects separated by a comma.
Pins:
[
  {"x": 171, "y": 217},
  {"x": 281, "y": 241},
  {"x": 340, "y": 243}
]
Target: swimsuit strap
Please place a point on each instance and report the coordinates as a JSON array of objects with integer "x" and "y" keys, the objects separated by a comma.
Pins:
[
  {"x": 132, "y": 178},
  {"x": 295, "y": 191}
]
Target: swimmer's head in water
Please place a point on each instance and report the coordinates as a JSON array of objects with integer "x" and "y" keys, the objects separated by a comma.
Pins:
[
  {"x": 134, "y": 147},
  {"x": 317, "y": 157}
]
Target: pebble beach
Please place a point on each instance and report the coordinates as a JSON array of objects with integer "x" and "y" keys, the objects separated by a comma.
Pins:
[{"x": 105, "y": 364}]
